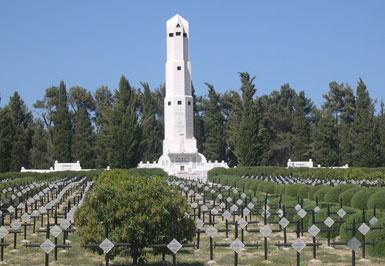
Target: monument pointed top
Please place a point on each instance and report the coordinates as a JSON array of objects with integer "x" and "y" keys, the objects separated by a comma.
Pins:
[{"x": 178, "y": 19}]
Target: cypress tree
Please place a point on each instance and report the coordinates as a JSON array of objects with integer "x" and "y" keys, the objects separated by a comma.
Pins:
[
  {"x": 125, "y": 135},
  {"x": 381, "y": 134},
  {"x": 325, "y": 140},
  {"x": 83, "y": 141},
  {"x": 365, "y": 153},
  {"x": 62, "y": 129},
  {"x": 103, "y": 103},
  {"x": 232, "y": 110},
  {"x": 151, "y": 145},
  {"x": 213, "y": 123},
  {"x": 21, "y": 120},
  {"x": 40, "y": 157},
  {"x": 301, "y": 128},
  {"x": 199, "y": 132},
  {"x": 247, "y": 145},
  {"x": 346, "y": 140},
  {"x": 6, "y": 133}
]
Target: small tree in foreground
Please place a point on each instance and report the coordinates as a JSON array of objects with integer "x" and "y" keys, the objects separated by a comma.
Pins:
[{"x": 137, "y": 210}]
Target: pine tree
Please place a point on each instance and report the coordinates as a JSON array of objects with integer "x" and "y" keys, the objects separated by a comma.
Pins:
[
  {"x": 62, "y": 129},
  {"x": 325, "y": 140},
  {"x": 214, "y": 146},
  {"x": 103, "y": 103},
  {"x": 151, "y": 145},
  {"x": 365, "y": 153},
  {"x": 301, "y": 128},
  {"x": 247, "y": 148},
  {"x": 21, "y": 120},
  {"x": 125, "y": 129},
  {"x": 83, "y": 140},
  {"x": 40, "y": 158}
]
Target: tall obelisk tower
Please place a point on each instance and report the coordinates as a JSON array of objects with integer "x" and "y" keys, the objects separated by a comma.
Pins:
[
  {"x": 180, "y": 154},
  {"x": 178, "y": 103}
]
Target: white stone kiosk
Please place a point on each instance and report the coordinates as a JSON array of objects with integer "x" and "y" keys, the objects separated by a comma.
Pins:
[{"x": 180, "y": 154}]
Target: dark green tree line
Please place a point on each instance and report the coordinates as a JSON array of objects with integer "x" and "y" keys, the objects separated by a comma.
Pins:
[{"x": 122, "y": 127}]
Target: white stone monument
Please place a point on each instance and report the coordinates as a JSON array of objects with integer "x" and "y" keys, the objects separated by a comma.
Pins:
[{"x": 180, "y": 154}]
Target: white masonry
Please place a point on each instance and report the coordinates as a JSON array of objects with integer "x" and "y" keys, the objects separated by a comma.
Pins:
[{"x": 180, "y": 154}]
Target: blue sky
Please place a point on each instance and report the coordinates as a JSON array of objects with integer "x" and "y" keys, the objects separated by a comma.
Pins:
[{"x": 92, "y": 43}]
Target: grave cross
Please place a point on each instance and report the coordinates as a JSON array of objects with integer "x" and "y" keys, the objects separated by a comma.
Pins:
[
  {"x": 298, "y": 244},
  {"x": 174, "y": 246},
  {"x": 47, "y": 246},
  {"x": 3, "y": 233},
  {"x": 106, "y": 245}
]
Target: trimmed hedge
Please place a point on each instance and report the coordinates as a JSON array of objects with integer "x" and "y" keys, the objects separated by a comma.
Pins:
[
  {"x": 347, "y": 195},
  {"x": 377, "y": 200},
  {"x": 321, "y": 173},
  {"x": 361, "y": 197},
  {"x": 333, "y": 195}
]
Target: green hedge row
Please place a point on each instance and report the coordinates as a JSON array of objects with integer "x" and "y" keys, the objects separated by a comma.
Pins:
[
  {"x": 350, "y": 195},
  {"x": 355, "y": 198},
  {"x": 18, "y": 178},
  {"x": 321, "y": 173}
]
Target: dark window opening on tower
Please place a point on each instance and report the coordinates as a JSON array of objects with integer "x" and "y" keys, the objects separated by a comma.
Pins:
[
  {"x": 189, "y": 103},
  {"x": 184, "y": 34},
  {"x": 169, "y": 103},
  {"x": 178, "y": 68},
  {"x": 177, "y": 25},
  {"x": 177, "y": 33},
  {"x": 179, "y": 102},
  {"x": 171, "y": 35}
]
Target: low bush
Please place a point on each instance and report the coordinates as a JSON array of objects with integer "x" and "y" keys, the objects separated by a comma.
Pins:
[
  {"x": 377, "y": 200},
  {"x": 333, "y": 195},
  {"x": 292, "y": 190},
  {"x": 320, "y": 193},
  {"x": 378, "y": 237},
  {"x": 361, "y": 197},
  {"x": 346, "y": 196},
  {"x": 136, "y": 209},
  {"x": 321, "y": 173}
]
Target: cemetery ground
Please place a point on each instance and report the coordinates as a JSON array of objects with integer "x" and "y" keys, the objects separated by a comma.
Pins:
[
  {"x": 84, "y": 204},
  {"x": 77, "y": 255}
]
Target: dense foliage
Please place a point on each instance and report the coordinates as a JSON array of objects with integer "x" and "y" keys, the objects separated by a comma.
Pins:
[
  {"x": 321, "y": 173},
  {"x": 137, "y": 209},
  {"x": 122, "y": 127}
]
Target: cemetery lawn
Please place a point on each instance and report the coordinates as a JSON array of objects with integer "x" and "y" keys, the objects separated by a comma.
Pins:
[{"x": 77, "y": 255}]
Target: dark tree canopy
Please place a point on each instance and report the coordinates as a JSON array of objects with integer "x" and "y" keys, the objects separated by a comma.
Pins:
[{"x": 120, "y": 128}]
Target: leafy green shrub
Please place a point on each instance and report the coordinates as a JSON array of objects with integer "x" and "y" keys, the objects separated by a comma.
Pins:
[
  {"x": 333, "y": 194},
  {"x": 136, "y": 209},
  {"x": 268, "y": 187},
  {"x": 378, "y": 237},
  {"x": 312, "y": 191},
  {"x": 377, "y": 200},
  {"x": 360, "y": 198},
  {"x": 321, "y": 173},
  {"x": 292, "y": 190},
  {"x": 320, "y": 193},
  {"x": 345, "y": 232},
  {"x": 347, "y": 195},
  {"x": 303, "y": 191}
]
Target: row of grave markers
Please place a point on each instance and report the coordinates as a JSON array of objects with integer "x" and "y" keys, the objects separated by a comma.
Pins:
[{"x": 187, "y": 188}]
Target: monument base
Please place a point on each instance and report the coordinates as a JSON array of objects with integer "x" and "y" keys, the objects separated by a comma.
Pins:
[{"x": 185, "y": 165}]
